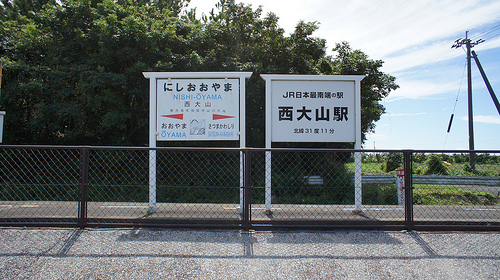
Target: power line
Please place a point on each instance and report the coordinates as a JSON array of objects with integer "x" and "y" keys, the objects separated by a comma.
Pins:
[
  {"x": 455, "y": 106},
  {"x": 422, "y": 66},
  {"x": 488, "y": 34}
]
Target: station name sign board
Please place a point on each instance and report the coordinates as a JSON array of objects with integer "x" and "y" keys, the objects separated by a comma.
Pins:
[
  {"x": 198, "y": 109},
  {"x": 303, "y": 110}
]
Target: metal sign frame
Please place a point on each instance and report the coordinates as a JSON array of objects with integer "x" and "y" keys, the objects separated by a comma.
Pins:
[
  {"x": 153, "y": 110},
  {"x": 310, "y": 80}
]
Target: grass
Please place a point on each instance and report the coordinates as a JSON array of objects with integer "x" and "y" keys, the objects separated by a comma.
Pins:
[
  {"x": 455, "y": 169},
  {"x": 380, "y": 194},
  {"x": 368, "y": 167},
  {"x": 449, "y": 195},
  {"x": 372, "y": 194}
]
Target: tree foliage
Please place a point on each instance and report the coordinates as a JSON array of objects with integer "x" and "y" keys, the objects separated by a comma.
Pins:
[
  {"x": 435, "y": 165},
  {"x": 73, "y": 68}
]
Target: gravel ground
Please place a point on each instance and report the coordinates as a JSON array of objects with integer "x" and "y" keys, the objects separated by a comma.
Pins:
[{"x": 61, "y": 253}]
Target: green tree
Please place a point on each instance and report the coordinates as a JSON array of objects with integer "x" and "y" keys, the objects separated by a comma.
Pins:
[
  {"x": 435, "y": 165},
  {"x": 74, "y": 71},
  {"x": 393, "y": 162},
  {"x": 13, "y": 9},
  {"x": 73, "y": 68}
]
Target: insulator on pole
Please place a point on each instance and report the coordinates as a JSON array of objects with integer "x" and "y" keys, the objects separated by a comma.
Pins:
[{"x": 449, "y": 124}]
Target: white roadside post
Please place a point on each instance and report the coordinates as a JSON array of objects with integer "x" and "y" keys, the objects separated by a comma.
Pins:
[
  {"x": 286, "y": 95},
  {"x": 400, "y": 185},
  {"x": 177, "y": 108}
]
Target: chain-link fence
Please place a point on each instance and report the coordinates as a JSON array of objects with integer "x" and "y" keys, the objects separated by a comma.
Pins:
[
  {"x": 249, "y": 188},
  {"x": 199, "y": 187},
  {"x": 39, "y": 185},
  {"x": 318, "y": 188},
  {"x": 453, "y": 189}
]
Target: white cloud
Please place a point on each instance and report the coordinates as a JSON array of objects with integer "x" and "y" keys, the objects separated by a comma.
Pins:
[
  {"x": 417, "y": 59},
  {"x": 485, "y": 119},
  {"x": 404, "y": 34},
  {"x": 422, "y": 89},
  {"x": 380, "y": 28}
]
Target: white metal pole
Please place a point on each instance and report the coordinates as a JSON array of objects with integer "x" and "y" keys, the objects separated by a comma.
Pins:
[
  {"x": 357, "y": 182},
  {"x": 357, "y": 156},
  {"x": 152, "y": 145},
  {"x": 268, "y": 169},
  {"x": 268, "y": 181},
  {"x": 242, "y": 136},
  {"x": 2, "y": 114}
]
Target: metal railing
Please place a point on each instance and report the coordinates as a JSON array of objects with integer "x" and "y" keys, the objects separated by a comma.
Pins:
[
  {"x": 248, "y": 188},
  {"x": 435, "y": 180}
]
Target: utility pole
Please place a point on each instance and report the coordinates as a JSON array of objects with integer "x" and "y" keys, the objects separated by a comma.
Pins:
[
  {"x": 469, "y": 44},
  {"x": 487, "y": 82}
]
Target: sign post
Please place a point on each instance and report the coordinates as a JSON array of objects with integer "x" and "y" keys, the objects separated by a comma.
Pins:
[
  {"x": 400, "y": 185},
  {"x": 194, "y": 106},
  {"x": 313, "y": 108},
  {"x": 2, "y": 113}
]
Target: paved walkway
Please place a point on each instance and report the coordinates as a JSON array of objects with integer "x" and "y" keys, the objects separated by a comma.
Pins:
[
  {"x": 61, "y": 253},
  {"x": 205, "y": 211}
]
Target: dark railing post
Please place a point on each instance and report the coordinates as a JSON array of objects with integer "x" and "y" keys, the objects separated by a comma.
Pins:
[
  {"x": 247, "y": 191},
  {"x": 408, "y": 161},
  {"x": 84, "y": 186}
]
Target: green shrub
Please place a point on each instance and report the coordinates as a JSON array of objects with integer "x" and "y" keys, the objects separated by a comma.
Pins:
[
  {"x": 380, "y": 194},
  {"x": 434, "y": 165},
  {"x": 393, "y": 162}
]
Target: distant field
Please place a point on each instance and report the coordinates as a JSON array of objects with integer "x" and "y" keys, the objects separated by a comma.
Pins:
[
  {"x": 457, "y": 169},
  {"x": 433, "y": 194}
]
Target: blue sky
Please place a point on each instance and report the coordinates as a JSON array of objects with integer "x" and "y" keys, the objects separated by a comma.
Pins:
[{"x": 414, "y": 39}]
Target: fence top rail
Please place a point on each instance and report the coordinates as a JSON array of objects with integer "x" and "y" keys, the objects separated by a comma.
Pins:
[
  {"x": 452, "y": 151},
  {"x": 67, "y": 147},
  {"x": 197, "y": 148},
  {"x": 435, "y": 179},
  {"x": 40, "y": 147}
]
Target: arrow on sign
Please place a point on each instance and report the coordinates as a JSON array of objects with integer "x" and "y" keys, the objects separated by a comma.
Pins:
[
  {"x": 174, "y": 116},
  {"x": 220, "y": 117}
]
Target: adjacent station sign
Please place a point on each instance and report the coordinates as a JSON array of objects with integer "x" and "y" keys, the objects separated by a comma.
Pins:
[
  {"x": 193, "y": 106},
  {"x": 198, "y": 109},
  {"x": 196, "y": 106}
]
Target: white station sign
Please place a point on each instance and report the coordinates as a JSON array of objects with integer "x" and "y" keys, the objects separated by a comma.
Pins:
[
  {"x": 313, "y": 111},
  {"x": 198, "y": 109}
]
